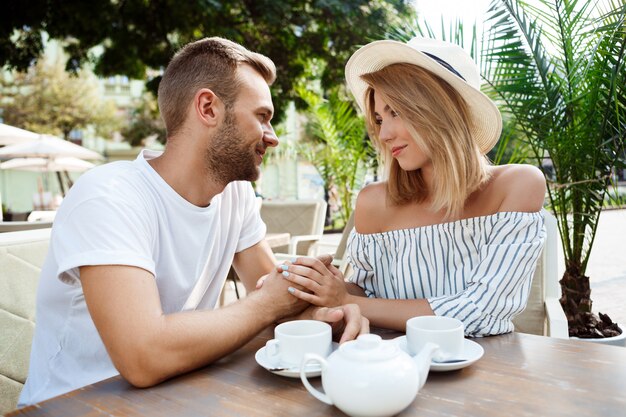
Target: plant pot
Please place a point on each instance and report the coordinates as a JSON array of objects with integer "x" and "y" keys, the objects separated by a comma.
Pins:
[{"x": 615, "y": 340}]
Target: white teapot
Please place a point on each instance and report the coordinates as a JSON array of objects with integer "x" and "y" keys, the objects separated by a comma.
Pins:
[{"x": 370, "y": 376}]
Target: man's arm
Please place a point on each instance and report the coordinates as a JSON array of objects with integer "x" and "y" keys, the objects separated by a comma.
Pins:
[
  {"x": 253, "y": 263},
  {"x": 147, "y": 346}
]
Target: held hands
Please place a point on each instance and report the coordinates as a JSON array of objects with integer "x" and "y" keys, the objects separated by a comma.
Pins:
[
  {"x": 317, "y": 281},
  {"x": 275, "y": 288}
]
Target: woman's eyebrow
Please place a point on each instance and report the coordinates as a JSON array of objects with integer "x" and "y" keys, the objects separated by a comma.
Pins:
[{"x": 386, "y": 109}]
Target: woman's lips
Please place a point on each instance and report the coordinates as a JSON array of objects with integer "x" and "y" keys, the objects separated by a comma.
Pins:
[{"x": 396, "y": 150}]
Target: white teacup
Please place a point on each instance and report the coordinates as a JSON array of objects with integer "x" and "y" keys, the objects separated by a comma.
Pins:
[
  {"x": 293, "y": 339},
  {"x": 445, "y": 332}
]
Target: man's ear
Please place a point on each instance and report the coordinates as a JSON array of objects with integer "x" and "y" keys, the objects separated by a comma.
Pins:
[{"x": 208, "y": 107}]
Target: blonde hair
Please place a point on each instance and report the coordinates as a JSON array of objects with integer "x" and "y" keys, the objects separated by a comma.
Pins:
[
  {"x": 438, "y": 119},
  {"x": 207, "y": 63}
]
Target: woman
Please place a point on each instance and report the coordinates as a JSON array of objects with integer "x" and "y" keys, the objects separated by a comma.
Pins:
[{"x": 446, "y": 233}]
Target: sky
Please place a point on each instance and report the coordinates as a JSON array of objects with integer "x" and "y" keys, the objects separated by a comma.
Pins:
[
  {"x": 469, "y": 11},
  {"x": 450, "y": 9}
]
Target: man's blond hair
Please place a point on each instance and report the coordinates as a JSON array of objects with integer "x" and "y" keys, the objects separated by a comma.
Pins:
[{"x": 438, "y": 120}]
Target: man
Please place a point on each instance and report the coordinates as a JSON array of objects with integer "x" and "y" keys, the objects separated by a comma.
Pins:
[{"x": 140, "y": 250}]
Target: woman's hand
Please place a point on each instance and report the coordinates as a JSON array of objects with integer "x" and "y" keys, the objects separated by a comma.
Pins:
[{"x": 317, "y": 281}]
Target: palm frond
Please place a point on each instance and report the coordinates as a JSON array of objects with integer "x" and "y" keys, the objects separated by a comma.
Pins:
[
  {"x": 340, "y": 152},
  {"x": 557, "y": 68}
]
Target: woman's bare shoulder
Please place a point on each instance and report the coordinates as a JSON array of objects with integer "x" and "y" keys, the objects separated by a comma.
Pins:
[
  {"x": 370, "y": 207},
  {"x": 521, "y": 187}
]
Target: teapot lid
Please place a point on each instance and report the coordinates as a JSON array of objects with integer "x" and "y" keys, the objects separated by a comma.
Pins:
[{"x": 369, "y": 348}]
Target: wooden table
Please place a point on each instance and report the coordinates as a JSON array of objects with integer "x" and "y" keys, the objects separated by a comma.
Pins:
[{"x": 519, "y": 375}]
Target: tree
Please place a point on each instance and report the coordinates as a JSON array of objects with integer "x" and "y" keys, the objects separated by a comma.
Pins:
[
  {"x": 46, "y": 99},
  {"x": 558, "y": 71},
  {"x": 136, "y": 35},
  {"x": 338, "y": 146},
  {"x": 145, "y": 121}
]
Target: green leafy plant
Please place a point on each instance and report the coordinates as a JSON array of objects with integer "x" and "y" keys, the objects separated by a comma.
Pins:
[
  {"x": 145, "y": 121},
  {"x": 338, "y": 146},
  {"x": 46, "y": 99},
  {"x": 557, "y": 70}
]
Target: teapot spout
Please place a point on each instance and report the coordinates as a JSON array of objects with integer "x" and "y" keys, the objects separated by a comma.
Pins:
[{"x": 423, "y": 359}]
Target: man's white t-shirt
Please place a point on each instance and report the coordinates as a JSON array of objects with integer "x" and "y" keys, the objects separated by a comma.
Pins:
[{"x": 124, "y": 213}]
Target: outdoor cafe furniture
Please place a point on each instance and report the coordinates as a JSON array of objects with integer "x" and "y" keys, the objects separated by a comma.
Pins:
[
  {"x": 24, "y": 225},
  {"x": 302, "y": 219},
  {"x": 275, "y": 240},
  {"x": 42, "y": 215},
  {"x": 35, "y": 220},
  {"x": 518, "y": 375},
  {"x": 10, "y": 135},
  {"x": 21, "y": 256}
]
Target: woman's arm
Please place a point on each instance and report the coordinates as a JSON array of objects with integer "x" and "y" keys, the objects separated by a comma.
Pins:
[
  {"x": 328, "y": 288},
  {"x": 381, "y": 312}
]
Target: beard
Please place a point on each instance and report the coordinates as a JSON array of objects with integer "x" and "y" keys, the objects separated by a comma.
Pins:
[{"x": 229, "y": 158}]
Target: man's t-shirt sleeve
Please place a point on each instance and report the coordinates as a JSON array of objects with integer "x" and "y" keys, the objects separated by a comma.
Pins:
[{"x": 97, "y": 232}]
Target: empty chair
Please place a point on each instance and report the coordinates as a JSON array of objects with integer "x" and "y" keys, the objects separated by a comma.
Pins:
[{"x": 302, "y": 219}]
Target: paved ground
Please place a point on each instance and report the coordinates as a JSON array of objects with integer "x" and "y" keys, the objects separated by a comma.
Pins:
[{"x": 607, "y": 266}]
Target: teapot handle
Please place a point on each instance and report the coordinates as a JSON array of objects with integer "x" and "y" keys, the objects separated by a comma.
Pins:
[{"x": 311, "y": 357}]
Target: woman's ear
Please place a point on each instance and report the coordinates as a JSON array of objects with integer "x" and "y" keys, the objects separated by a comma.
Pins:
[{"x": 208, "y": 107}]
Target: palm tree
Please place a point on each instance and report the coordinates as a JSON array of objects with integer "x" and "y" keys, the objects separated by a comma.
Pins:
[
  {"x": 339, "y": 150},
  {"x": 557, "y": 70}
]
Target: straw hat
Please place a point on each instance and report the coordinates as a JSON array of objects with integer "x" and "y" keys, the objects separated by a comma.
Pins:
[{"x": 448, "y": 61}]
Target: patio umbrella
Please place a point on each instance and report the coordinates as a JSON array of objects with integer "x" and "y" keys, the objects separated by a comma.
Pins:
[
  {"x": 51, "y": 148},
  {"x": 47, "y": 146},
  {"x": 10, "y": 135},
  {"x": 70, "y": 164}
]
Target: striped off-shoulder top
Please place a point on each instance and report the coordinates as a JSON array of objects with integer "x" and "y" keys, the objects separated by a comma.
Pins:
[{"x": 478, "y": 270}]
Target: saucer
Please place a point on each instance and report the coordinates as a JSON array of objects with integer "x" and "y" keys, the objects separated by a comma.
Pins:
[
  {"x": 312, "y": 369},
  {"x": 472, "y": 351}
]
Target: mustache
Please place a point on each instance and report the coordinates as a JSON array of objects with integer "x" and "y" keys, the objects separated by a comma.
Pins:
[{"x": 262, "y": 148}]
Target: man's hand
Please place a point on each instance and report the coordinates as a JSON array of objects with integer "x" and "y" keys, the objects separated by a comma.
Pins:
[
  {"x": 275, "y": 290},
  {"x": 346, "y": 320}
]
